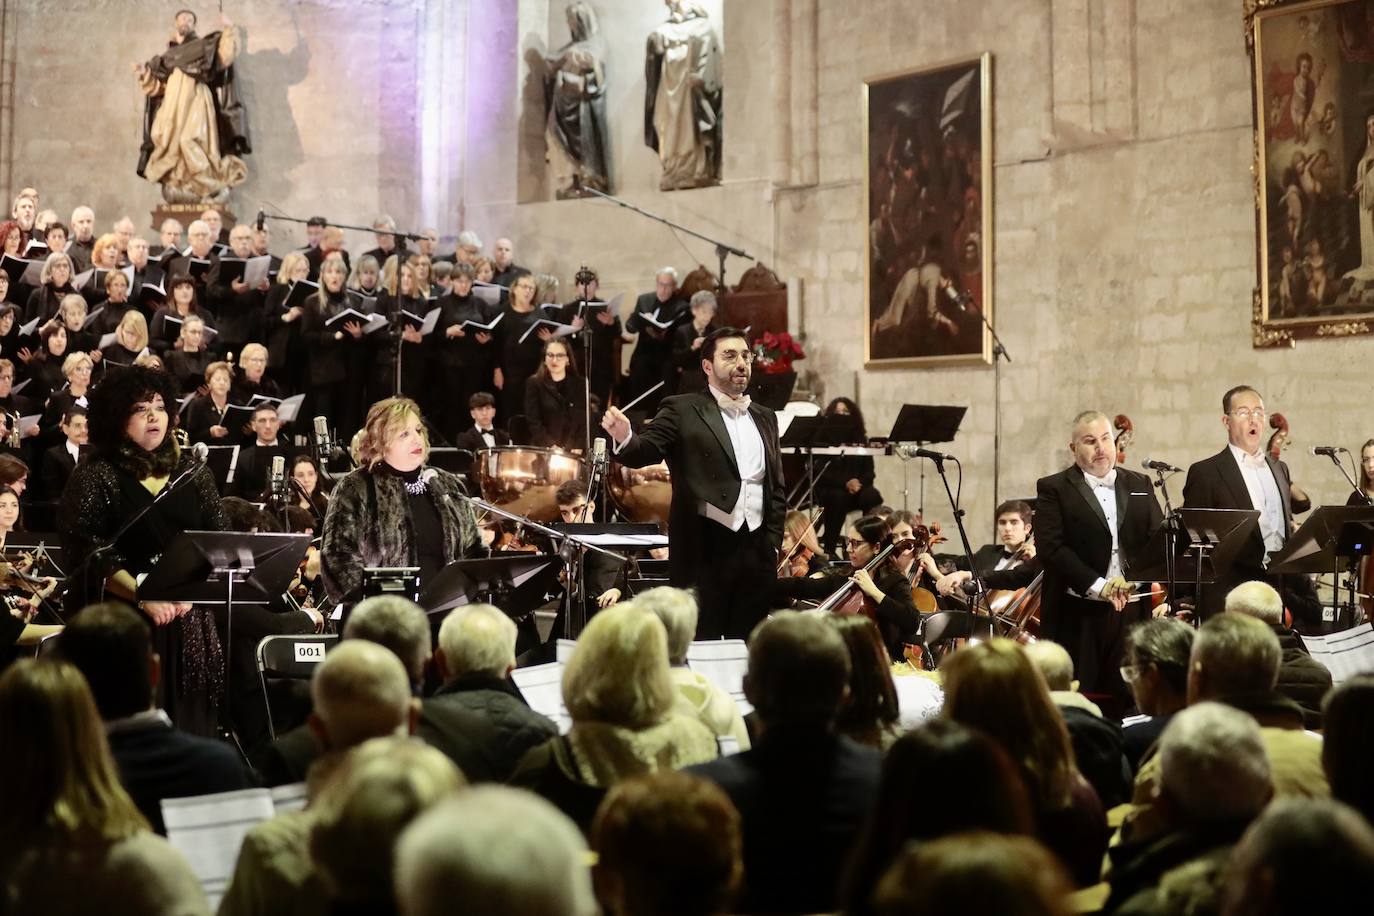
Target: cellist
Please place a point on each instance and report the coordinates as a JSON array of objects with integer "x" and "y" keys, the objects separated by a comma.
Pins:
[
  {"x": 885, "y": 589},
  {"x": 1009, "y": 564}
]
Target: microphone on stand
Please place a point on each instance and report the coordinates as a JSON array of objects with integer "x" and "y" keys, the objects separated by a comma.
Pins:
[
  {"x": 1164, "y": 466},
  {"x": 200, "y": 452},
  {"x": 1329, "y": 451},
  {"x": 323, "y": 447},
  {"x": 955, "y": 296},
  {"x": 261, "y": 216},
  {"x": 599, "y": 452},
  {"x": 905, "y": 450},
  {"x": 278, "y": 479}
]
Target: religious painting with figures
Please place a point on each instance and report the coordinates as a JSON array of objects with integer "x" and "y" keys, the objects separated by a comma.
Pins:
[
  {"x": 1314, "y": 121},
  {"x": 927, "y": 194}
]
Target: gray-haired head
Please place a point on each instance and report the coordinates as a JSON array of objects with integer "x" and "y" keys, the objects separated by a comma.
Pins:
[{"x": 1213, "y": 766}]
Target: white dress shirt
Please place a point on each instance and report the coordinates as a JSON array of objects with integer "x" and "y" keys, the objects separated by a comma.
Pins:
[
  {"x": 747, "y": 442},
  {"x": 488, "y": 436},
  {"x": 1104, "y": 491},
  {"x": 1264, "y": 496},
  {"x": 73, "y": 449}
]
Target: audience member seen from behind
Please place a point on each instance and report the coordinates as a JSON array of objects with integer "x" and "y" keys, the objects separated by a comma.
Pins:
[
  {"x": 1156, "y": 669},
  {"x": 626, "y": 722},
  {"x": 72, "y": 841},
  {"x": 1348, "y": 743},
  {"x": 940, "y": 779},
  {"x": 478, "y": 716},
  {"x": 1302, "y": 678},
  {"x": 667, "y": 843},
  {"x": 677, "y": 608},
  {"x": 492, "y": 849},
  {"x": 1214, "y": 779},
  {"x": 975, "y": 874},
  {"x": 803, "y": 791},
  {"x": 379, "y": 788},
  {"x": 870, "y": 714},
  {"x": 1301, "y": 856},
  {"x": 993, "y": 686},
  {"x": 111, "y": 645}
]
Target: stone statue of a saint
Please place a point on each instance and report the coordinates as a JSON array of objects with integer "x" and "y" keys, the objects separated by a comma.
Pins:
[
  {"x": 575, "y": 96},
  {"x": 194, "y": 125},
  {"x": 682, "y": 97}
]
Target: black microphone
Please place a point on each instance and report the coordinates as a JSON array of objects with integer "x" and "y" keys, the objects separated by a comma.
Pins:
[
  {"x": 1329, "y": 451},
  {"x": 1164, "y": 466},
  {"x": 911, "y": 451},
  {"x": 261, "y": 216}
]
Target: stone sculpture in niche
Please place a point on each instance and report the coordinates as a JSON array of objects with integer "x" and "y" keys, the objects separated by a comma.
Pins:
[
  {"x": 194, "y": 125},
  {"x": 575, "y": 98},
  {"x": 682, "y": 98}
]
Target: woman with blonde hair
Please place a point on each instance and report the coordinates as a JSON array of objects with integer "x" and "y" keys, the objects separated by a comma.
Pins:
[
  {"x": 131, "y": 340},
  {"x": 71, "y": 839},
  {"x": 337, "y": 351},
  {"x": 394, "y": 510},
  {"x": 993, "y": 686},
  {"x": 626, "y": 721},
  {"x": 286, "y": 355},
  {"x": 401, "y": 292}
]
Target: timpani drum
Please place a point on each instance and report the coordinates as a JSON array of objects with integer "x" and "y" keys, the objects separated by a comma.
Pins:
[
  {"x": 641, "y": 494},
  {"x": 524, "y": 481}
]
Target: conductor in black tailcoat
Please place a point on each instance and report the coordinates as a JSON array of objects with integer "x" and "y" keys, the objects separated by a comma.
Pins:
[
  {"x": 725, "y": 525},
  {"x": 1088, "y": 520}
]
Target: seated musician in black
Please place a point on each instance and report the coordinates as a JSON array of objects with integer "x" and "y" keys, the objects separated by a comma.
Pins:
[
  {"x": 845, "y": 483},
  {"x": 1010, "y": 563},
  {"x": 603, "y": 577},
  {"x": 886, "y": 587}
]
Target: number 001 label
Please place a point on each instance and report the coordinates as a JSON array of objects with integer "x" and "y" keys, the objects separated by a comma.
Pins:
[{"x": 309, "y": 651}]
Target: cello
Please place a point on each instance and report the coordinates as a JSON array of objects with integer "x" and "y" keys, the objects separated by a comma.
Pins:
[{"x": 850, "y": 599}]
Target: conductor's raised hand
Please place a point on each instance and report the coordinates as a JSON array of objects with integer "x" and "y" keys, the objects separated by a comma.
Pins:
[{"x": 616, "y": 423}]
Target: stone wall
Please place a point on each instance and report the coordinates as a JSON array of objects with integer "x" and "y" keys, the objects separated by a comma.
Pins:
[{"x": 1123, "y": 212}]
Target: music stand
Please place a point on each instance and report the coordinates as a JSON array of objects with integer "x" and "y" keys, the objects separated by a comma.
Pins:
[
  {"x": 924, "y": 424},
  {"x": 1330, "y": 535},
  {"x": 1191, "y": 545},
  {"x": 772, "y": 390},
  {"x": 805, "y": 434},
  {"x": 514, "y": 582}
]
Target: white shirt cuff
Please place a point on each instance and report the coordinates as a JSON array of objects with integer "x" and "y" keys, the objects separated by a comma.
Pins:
[
  {"x": 617, "y": 446},
  {"x": 1095, "y": 590}
]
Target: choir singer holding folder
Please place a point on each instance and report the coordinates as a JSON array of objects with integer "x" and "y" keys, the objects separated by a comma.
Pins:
[{"x": 726, "y": 521}]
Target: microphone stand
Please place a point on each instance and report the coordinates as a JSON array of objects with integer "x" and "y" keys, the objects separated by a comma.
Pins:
[
  {"x": 722, "y": 249},
  {"x": 999, "y": 352},
  {"x": 1173, "y": 524},
  {"x": 1352, "y": 579},
  {"x": 980, "y": 588}
]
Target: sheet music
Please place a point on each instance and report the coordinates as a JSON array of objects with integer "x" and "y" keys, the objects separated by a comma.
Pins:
[
  {"x": 1345, "y": 654},
  {"x": 723, "y": 663},
  {"x": 255, "y": 271},
  {"x": 542, "y": 688},
  {"x": 919, "y": 699},
  {"x": 290, "y": 408},
  {"x": 209, "y": 829}
]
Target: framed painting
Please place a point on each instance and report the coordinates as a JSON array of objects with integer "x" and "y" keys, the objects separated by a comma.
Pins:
[
  {"x": 1312, "y": 78},
  {"x": 928, "y": 216}
]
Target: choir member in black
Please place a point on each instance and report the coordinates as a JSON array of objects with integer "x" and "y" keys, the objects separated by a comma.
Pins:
[
  {"x": 605, "y": 330},
  {"x": 688, "y": 338},
  {"x": 555, "y": 400},
  {"x": 886, "y": 587},
  {"x": 237, "y": 305},
  {"x": 332, "y": 242},
  {"x": 13, "y": 238},
  {"x": 183, "y": 299},
  {"x": 9, "y": 330},
  {"x": 393, "y": 510},
  {"x": 145, "y": 271},
  {"x": 11, "y": 402},
  {"x": 384, "y": 227},
  {"x": 75, "y": 392},
  {"x": 286, "y": 358},
  {"x": 255, "y": 462},
  {"x": 401, "y": 295},
  {"x": 1010, "y": 563},
  {"x": 55, "y": 281},
  {"x": 59, "y": 461},
  {"x": 251, "y": 379},
  {"x": 45, "y": 366},
  {"x": 311, "y": 491},
  {"x": 465, "y": 355},
  {"x": 206, "y": 417},
  {"x": 202, "y": 248},
  {"x": 846, "y": 482},
  {"x": 366, "y": 277},
  {"x": 134, "y": 457},
  {"x": 518, "y": 361},
  {"x": 337, "y": 352},
  {"x": 188, "y": 359},
  {"x": 71, "y": 314},
  {"x": 262, "y": 243},
  {"x": 112, "y": 308},
  {"x": 131, "y": 341},
  {"x": 652, "y": 360},
  {"x": 424, "y": 276}
]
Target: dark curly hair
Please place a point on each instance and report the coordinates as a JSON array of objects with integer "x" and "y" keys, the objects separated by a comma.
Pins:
[
  {"x": 854, "y": 412},
  {"x": 111, "y": 403}
]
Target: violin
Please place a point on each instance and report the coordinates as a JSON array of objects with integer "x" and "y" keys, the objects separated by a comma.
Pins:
[{"x": 1125, "y": 434}]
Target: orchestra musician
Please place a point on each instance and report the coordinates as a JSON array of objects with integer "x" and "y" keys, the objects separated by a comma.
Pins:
[
  {"x": 603, "y": 577},
  {"x": 394, "y": 510},
  {"x": 728, "y": 504},
  {"x": 846, "y": 482},
  {"x": 312, "y": 490},
  {"x": 1366, "y": 476},
  {"x": 1243, "y": 476},
  {"x": 801, "y": 553},
  {"x": 555, "y": 400},
  {"x": 1088, "y": 518},
  {"x": 1011, "y": 563}
]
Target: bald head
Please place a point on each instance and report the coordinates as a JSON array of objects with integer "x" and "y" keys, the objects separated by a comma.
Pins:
[
  {"x": 1256, "y": 599},
  {"x": 1053, "y": 662},
  {"x": 360, "y": 691}
]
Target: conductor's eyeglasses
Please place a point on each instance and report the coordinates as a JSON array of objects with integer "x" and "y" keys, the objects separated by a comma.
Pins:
[{"x": 734, "y": 356}]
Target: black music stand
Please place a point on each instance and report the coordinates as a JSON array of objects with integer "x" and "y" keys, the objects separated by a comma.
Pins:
[
  {"x": 1333, "y": 538},
  {"x": 615, "y": 536},
  {"x": 514, "y": 582},
  {"x": 772, "y": 390},
  {"x": 1191, "y": 545},
  {"x": 924, "y": 424},
  {"x": 805, "y": 434}
]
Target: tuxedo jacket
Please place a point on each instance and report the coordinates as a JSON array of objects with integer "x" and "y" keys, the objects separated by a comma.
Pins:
[
  {"x": 985, "y": 560},
  {"x": 56, "y": 467},
  {"x": 472, "y": 440},
  {"x": 689, "y": 433},
  {"x": 1072, "y": 538},
  {"x": 1217, "y": 483}
]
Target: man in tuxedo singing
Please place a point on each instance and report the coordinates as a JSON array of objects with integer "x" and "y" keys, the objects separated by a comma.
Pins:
[
  {"x": 725, "y": 525},
  {"x": 1088, "y": 520},
  {"x": 1243, "y": 476}
]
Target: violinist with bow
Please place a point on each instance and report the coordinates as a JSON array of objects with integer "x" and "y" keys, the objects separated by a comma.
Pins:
[{"x": 874, "y": 584}]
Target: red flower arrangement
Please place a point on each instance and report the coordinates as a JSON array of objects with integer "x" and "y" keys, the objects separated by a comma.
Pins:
[{"x": 775, "y": 353}]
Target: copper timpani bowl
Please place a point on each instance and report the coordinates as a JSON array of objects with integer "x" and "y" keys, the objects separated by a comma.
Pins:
[
  {"x": 524, "y": 481},
  {"x": 641, "y": 494}
]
